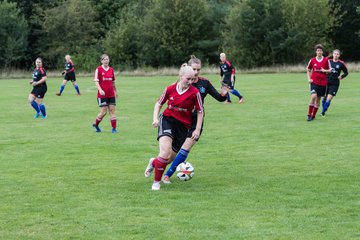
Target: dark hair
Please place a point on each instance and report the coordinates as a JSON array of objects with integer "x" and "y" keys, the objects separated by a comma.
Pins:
[
  {"x": 317, "y": 46},
  {"x": 194, "y": 59}
]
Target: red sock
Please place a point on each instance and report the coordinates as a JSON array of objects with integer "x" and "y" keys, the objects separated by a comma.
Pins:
[
  {"x": 160, "y": 165},
  {"x": 311, "y": 108},
  {"x": 113, "y": 122},
  {"x": 97, "y": 121},
  {"x": 315, "y": 110}
]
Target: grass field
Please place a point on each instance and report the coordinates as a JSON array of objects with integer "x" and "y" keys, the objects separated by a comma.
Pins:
[{"x": 262, "y": 170}]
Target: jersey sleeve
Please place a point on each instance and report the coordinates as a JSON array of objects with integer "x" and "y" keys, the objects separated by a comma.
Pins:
[
  {"x": 345, "y": 70},
  {"x": 214, "y": 93},
  {"x": 198, "y": 103},
  {"x": 43, "y": 72},
  {"x": 164, "y": 96},
  {"x": 113, "y": 73}
]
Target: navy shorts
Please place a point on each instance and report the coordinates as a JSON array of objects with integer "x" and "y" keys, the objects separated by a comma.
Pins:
[
  {"x": 39, "y": 91},
  {"x": 193, "y": 126},
  {"x": 70, "y": 76},
  {"x": 332, "y": 89},
  {"x": 103, "y": 102},
  {"x": 319, "y": 90},
  {"x": 171, "y": 127}
]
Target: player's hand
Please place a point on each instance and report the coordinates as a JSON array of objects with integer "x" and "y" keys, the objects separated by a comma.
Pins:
[
  {"x": 195, "y": 135},
  {"x": 310, "y": 80},
  {"x": 155, "y": 123},
  {"x": 34, "y": 83},
  {"x": 31, "y": 82},
  {"x": 102, "y": 93}
]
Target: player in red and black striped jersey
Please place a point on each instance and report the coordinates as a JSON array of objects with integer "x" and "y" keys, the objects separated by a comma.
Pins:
[
  {"x": 333, "y": 80},
  {"x": 174, "y": 123},
  {"x": 105, "y": 82},
  {"x": 205, "y": 87},
  {"x": 227, "y": 73},
  {"x": 317, "y": 70},
  {"x": 69, "y": 76},
  {"x": 39, "y": 89}
]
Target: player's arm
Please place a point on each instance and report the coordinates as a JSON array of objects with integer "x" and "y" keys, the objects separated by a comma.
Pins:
[
  {"x": 221, "y": 97},
  {"x": 96, "y": 80},
  {"x": 114, "y": 85},
  {"x": 345, "y": 70},
  {"x": 328, "y": 69},
  {"x": 41, "y": 81},
  {"x": 200, "y": 117},
  {"x": 156, "y": 113},
  {"x": 308, "y": 73}
]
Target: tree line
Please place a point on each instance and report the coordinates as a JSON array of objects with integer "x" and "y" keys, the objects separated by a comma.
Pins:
[{"x": 162, "y": 33}]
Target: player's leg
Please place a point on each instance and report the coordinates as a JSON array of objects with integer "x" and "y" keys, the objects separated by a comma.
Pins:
[
  {"x": 311, "y": 106},
  {"x": 332, "y": 93},
  {"x": 112, "y": 117},
  {"x": 160, "y": 162},
  {"x": 62, "y": 87},
  {"x": 103, "y": 109},
  {"x": 34, "y": 105},
  {"x": 73, "y": 81}
]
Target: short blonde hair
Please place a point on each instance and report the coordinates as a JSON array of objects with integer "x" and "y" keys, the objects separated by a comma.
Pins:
[
  {"x": 184, "y": 69},
  {"x": 222, "y": 55}
]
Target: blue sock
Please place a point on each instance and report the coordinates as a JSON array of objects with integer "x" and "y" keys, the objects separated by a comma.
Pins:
[
  {"x": 323, "y": 103},
  {"x": 42, "y": 109},
  {"x": 180, "y": 157},
  {"x": 62, "y": 88},
  {"x": 326, "y": 106},
  {"x": 236, "y": 93},
  {"x": 77, "y": 88},
  {"x": 35, "y": 106}
]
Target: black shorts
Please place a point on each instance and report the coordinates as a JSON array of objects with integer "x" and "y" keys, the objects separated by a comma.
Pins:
[
  {"x": 332, "y": 89},
  {"x": 227, "y": 82},
  {"x": 319, "y": 90},
  {"x": 193, "y": 126},
  {"x": 70, "y": 76},
  {"x": 103, "y": 102},
  {"x": 39, "y": 91},
  {"x": 173, "y": 128}
]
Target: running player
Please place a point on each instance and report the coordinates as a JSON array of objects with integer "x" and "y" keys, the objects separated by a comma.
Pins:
[
  {"x": 334, "y": 79},
  {"x": 106, "y": 96},
  {"x": 317, "y": 70},
  {"x": 69, "y": 76},
  {"x": 227, "y": 73},
  {"x": 175, "y": 121},
  {"x": 39, "y": 89},
  {"x": 205, "y": 87}
]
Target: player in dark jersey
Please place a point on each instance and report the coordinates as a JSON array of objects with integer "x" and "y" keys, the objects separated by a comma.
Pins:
[
  {"x": 69, "y": 76},
  {"x": 173, "y": 125},
  {"x": 334, "y": 79},
  {"x": 317, "y": 70},
  {"x": 205, "y": 87},
  {"x": 227, "y": 73},
  {"x": 106, "y": 97},
  {"x": 39, "y": 89}
]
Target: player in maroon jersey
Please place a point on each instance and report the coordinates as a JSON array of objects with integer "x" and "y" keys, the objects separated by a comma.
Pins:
[
  {"x": 205, "y": 87},
  {"x": 39, "y": 89},
  {"x": 317, "y": 70},
  {"x": 106, "y": 96},
  {"x": 227, "y": 73},
  {"x": 69, "y": 76},
  {"x": 173, "y": 124}
]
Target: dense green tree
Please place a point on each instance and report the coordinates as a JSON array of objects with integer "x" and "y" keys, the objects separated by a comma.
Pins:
[
  {"x": 345, "y": 33},
  {"x": 13, "y": 35}
]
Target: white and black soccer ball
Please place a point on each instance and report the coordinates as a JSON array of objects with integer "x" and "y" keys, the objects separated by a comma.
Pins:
[{"x": 185, "y": 171}]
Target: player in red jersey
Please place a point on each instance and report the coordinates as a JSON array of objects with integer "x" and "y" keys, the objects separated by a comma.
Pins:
[
  {"x": 39, "y": 89},
  {"x": 106, "y": 96},
  {"x": 317, "y": 70},
  {"x": 173, "y": 124},
  {"x": 69, "y": 76},
  {"x": 205, "y": 87}
]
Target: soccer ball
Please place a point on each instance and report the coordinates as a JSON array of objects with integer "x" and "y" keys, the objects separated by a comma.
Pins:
[{"x": 185, "y": 171}]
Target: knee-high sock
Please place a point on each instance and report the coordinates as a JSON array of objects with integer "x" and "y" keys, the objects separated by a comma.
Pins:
[
  {"x": 35, "y": 106},
  {"x": 236, "y": 93},
  {"x": 77, "y": 88},
  {"x": 113, "y": 122},
  {"x": 98, "y": 120},
  {"x": 323, "y": 102},
  {"x": 62, "y": 88},
  {"x": 316, "y": 107},
  {"x": 42, "y": 109},
  {"x": 326, "y": 106},
  {"x": 160, "y": 165},
  {"x": 180, "y": 157},
  {"x": 311, "y": 108}
]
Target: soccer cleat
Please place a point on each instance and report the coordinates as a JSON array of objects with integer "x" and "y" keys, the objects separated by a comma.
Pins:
[
  {"x": 155, "y": 186},
  {"x": 241, "y": 100},
  {"x": 114, "y": 130},
  {"x": 58, "y": 94},
  {"x": 96, "y": 127},
  {"x": 166, "y": 180},
  {"x": 79, "y": 94},
  {"x": 228, "y": 102},
  {"x": 44, "y": 117},
  {"x": 37, "y": 115},
  {"x": 150, "y": 168},
  {"x": 323, "y": 114},
  {"x": 310, "y": 118}
]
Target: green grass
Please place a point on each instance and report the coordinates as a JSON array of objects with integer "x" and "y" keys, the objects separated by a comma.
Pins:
[{"x": 262, "y": 170}]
